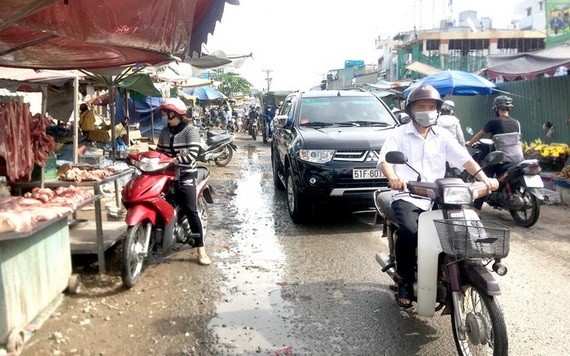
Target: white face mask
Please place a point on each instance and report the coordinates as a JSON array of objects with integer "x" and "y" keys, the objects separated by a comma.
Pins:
[{"x": 426, "y": 118}]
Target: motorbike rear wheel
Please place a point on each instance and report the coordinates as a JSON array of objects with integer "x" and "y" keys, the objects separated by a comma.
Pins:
[
  {"x": 133, "y": 254},
  {"x": 225, "y": 157},
  {"x": 527, "y": 216},
  {"x": 485, "y": 330}
]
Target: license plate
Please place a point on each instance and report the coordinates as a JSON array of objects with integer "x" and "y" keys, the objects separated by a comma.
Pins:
[
  {"x": 533, "y": 181},
  {"x": 370, "y": 173}
]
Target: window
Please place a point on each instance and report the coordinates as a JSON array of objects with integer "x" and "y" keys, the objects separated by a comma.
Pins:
[
  {"x": 528, "y": 11},
  {"x": 540, "y": 5}
]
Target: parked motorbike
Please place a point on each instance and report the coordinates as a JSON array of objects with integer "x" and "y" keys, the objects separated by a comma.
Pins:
[
  {"x": 454, "y": 252},
  {"x": 154, "y": 219},
  {"x": 218, "y": 147},
  {"x": 266, "y": 130},
  {"x": 519, "y": 187}
]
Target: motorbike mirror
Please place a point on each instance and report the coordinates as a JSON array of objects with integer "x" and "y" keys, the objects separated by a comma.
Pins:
[
  {"x": 469, "y": 130},
  {"x": 396, "y": 157}
]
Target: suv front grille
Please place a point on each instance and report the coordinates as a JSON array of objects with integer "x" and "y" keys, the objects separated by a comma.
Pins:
[{"x": 356, "y": 156}]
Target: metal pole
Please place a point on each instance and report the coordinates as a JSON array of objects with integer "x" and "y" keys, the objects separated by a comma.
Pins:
[
  {"x": 112, "y": 115},
  {"x": 151, "y": 122},
  {"x": 75, "y": 119}
]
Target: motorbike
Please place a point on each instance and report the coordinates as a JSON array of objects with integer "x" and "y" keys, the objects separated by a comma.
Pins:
[
  {"x": 155, "y": 222},
  {"x": 454, "y": 252},
  {"x": 252, "y": 127},
  {"x": 519, "y": 187},
  {"x": 218, "y": 147}
]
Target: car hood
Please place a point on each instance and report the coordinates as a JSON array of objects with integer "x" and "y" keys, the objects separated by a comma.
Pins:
[{"x": 345, "y": 137}]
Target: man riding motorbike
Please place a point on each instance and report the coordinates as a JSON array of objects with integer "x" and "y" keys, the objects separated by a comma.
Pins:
[
  {"x": 505, "y": 132},
  {"x": 182, "y": 140},
  {"x": 428, "y": 147},
  {"x": 268, "y": 116}
]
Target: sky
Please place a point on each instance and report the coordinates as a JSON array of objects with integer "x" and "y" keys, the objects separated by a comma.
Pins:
[{"x": 299, "y": 41}]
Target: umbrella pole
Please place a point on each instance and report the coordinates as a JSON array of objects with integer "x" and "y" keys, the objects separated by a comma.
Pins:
[{"x": 151, "y": 123}]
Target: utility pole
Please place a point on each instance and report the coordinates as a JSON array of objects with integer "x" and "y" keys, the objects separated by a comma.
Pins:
[{"x": 268, "y": 78}]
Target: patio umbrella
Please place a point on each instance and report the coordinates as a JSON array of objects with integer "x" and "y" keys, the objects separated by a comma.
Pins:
[
  {"x": 204, "y": 93},
  {"x": 455, "y": 82}
]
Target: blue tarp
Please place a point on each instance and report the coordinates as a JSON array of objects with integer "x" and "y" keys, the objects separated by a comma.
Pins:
[
  {"x": 204, "y": 93},
  {"x": 455, "y": 82},
  {"x": 140, "y": 111}
]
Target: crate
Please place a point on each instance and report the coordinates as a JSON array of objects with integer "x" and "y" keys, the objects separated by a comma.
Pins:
[{"x": 473, "y": 238}]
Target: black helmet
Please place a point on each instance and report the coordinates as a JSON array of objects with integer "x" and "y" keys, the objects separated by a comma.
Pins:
[
  {"x": 502, "y": 102},
  {"x": 422, "y": 92}
]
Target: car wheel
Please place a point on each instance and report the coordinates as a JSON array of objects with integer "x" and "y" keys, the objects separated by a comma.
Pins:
[
  {"x": 299, "y": 205},
  {"x": 276, "y": 180}
]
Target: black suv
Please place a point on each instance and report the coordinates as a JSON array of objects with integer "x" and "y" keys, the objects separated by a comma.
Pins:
[{"x": 325, "y": 149}]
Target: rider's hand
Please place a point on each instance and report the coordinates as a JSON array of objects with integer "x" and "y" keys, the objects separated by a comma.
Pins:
[
  {"x": 491, "y": 183},
  {"x": 397, "y": 183}
]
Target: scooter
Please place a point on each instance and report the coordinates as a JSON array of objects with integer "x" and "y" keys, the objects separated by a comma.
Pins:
[
  {"x": 266, "y": 130},
  {"x": 519, "y": 187},
  {"x": 217, "y": 147},
  {"x": 454, "y": 252},
  {"x": 154, "y": 219}
]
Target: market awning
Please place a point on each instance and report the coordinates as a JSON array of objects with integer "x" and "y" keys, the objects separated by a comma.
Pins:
[
  {"x": 528, "y": 65},
  {"x": 58, "y": 34},
  {"x": 422, "y": 68}
]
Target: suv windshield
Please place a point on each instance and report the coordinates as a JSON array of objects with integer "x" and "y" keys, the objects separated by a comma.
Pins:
[{"x": 344, "y": 111}]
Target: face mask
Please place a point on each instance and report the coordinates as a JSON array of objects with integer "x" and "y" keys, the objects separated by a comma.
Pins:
[
  {"x": 426, "y": 118},
  {"x": 165, "y": 120}
]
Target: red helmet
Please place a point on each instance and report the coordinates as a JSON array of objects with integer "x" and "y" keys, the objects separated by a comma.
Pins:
[{"x": 173, "y": 104}]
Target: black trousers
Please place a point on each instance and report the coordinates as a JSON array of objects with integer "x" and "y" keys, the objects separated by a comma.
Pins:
[
  {"x": 188, "y": 203},
  {"x": 407, "y": 215}
]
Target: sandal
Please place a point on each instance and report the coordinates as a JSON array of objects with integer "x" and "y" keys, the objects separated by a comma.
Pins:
[{"x": 403, "y": 298}]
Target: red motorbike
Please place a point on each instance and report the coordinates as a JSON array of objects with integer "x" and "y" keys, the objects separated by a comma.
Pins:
[{"x": 154, "y": 219}]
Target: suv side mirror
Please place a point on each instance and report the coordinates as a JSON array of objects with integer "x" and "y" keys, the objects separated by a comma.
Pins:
[
  {"x": 280, "y": 121},
  {"x": 403, "y": 118}
]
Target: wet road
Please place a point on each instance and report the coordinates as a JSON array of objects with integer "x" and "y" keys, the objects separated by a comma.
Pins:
[
  {"x": 316, "y": 289},
  {"x": 276, "y": 288}
]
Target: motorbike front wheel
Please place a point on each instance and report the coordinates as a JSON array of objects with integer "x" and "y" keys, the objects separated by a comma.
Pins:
[
  {"x": 484, "y": 331},
  {"x": 224, "y": 158},
  {"x": 133, "y": 254},
  {"x": 527, "y": 216}
]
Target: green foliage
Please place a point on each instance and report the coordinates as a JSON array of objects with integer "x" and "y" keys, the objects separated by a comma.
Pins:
[{"x": 233, "y": 84}]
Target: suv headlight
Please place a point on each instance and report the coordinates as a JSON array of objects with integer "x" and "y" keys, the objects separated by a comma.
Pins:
[
  {"x": 316, "y": 156},
  {"x": 457, "y": 195}
]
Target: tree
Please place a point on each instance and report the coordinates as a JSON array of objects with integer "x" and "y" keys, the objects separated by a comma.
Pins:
[{"x": 233, "y": 84}]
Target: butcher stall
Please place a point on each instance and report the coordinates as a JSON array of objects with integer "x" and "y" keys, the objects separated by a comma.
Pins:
[{"x": 35, "y": 248}]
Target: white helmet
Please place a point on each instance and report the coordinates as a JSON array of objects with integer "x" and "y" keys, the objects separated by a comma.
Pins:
[
  {"x": 448, "y": 105},
  {"x": 173, "y": 104}
]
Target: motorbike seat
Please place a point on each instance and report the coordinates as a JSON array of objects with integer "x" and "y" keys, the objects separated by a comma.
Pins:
[
  {"x": 383, "y": 201},
  {"x": 217, "y": 139},
  {"x": 216, "y": 132}
]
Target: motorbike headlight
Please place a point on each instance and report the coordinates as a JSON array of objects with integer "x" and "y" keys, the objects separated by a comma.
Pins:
[
  {"x": 457, "y": 195},
  {"x": 316, "y": 156},
  {"x": 151, "y": 164}
]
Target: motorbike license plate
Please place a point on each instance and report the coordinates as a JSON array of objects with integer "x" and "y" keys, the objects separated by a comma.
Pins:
[
  {"x": 533, "y": 181},
  {"x": 370, "y": 173}
]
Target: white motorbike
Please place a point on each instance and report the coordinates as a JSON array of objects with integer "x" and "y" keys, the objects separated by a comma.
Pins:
[{"x": 454, "y": 252}]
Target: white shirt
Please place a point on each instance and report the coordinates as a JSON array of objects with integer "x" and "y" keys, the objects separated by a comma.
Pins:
[
  {"x": 451, "y": 123},
  {"x": 427, "y": 156}
]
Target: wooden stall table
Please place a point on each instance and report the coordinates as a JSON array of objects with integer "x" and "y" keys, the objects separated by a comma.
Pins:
[{"x": 101, "y": 245}]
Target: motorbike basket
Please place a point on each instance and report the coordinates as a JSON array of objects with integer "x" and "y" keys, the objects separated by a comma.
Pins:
[{"x": 473, "y": 238}]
